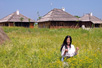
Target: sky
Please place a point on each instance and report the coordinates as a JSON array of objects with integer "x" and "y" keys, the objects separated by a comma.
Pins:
[{"x": 35, "y": 8}]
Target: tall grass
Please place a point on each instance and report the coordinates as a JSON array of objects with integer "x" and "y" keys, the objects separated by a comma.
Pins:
[{"x": 40, "y": 48}]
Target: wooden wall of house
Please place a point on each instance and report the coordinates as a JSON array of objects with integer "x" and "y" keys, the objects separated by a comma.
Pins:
[
  {"x": 87, "y": 24},
  {"x": 7, "y": 24},
  {"x": 97, "y": 25},
  {"x": 31, "y": 25},
  {"x": 11, "y": 24},
  {"x": 1, "y": 24},
  {"x": 4, "y": 24},
  {"x": 64, "y": 24},
  {"x": 44, "y": 24},
  {"x": 20, "y": 24}
]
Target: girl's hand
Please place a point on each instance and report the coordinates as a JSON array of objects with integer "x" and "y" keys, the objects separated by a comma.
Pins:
[
  {"x": 77, "y": 48},
  {"x": 66, "y": 50}
]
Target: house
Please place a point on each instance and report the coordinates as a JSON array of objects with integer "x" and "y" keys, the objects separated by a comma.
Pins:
[
  {"x": 88, "y": 20},
  {"x": 17, "y": 19},
  {"x": 58, "y": 18}
]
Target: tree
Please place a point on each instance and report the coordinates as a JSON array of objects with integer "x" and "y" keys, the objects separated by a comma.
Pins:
[
  {"x": 77, "y": 16},
  {"x": 39, "y": 17},
  {"x": 21, "y": 19},
  {"x": 29, "y": 19}
]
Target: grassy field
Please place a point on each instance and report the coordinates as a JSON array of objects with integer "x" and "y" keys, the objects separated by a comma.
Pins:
[{"x": 40, "y": 48}]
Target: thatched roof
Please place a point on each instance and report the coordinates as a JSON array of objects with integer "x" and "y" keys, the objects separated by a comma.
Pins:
[
  {"x": 16, "y": 17},
  {"x": 90, "y": 17},
  {"x": 57, "y": 15},
  {"x": 3, "y": 36}
]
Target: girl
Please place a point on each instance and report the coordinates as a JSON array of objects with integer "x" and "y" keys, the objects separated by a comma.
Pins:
[{"x": 67, "y": 49}]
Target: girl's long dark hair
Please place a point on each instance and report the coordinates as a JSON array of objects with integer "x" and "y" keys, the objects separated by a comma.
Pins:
[{"x": 65, "y": 42}]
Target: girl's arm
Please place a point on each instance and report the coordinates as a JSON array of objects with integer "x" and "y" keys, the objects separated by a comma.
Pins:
[
  {"x": 63, "y": 51},
  {"x": 76, "y": 51},
  {"x": 66, "y": 50}
]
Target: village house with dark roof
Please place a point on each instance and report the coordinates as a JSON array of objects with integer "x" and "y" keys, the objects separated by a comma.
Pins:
[
  {"x": 17, "y": 19},
  {"x": 58, "y": 18},
  {"x": 88, "y": 20}
]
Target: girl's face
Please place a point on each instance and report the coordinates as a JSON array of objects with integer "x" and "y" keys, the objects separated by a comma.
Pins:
[{"x": 68, "y": 41}]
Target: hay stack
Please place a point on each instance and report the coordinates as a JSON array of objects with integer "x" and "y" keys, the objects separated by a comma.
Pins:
[{"x": 3, "y": 36}]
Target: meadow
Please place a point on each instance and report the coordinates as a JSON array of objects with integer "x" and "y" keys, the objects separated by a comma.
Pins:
[{"x": 40, "y": 48}]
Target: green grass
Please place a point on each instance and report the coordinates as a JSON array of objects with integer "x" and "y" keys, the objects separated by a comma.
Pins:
[{"x": 40, "y": 48}]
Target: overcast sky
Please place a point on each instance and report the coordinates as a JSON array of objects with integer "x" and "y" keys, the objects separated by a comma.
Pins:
[{"x": 30, "y": 8}]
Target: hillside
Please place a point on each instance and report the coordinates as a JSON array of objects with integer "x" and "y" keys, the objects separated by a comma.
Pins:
[{"x": 40, "y": 48}]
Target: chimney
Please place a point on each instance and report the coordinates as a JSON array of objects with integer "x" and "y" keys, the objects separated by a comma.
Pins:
[
  {"x": 91, "y": 14},
  {"x": 17, "y": 12},
  {"x": 63, "y": 8}
]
